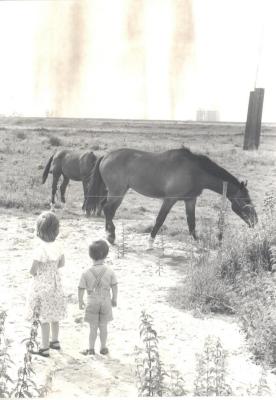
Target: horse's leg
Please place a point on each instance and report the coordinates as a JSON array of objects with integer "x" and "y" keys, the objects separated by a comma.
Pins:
[
  {"x": 190, "y": 213},
  {"x": 101, "y": 206},
  {"x": 56, "y": 176},
  {"x": 63, "y": 187},
  {"x": 164, "y": 210},
  {"x": 84, "y": 185},
  {"x": 110, "y": 208}
]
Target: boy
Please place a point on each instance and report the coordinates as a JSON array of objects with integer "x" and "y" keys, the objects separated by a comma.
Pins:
[{"x": 98, "y": 281}]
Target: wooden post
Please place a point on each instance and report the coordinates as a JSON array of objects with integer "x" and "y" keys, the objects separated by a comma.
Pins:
[
  {"x": 222, "y": 211},
  {"x": 259, "y": 111},
  {"x": 254, "y": 120}
]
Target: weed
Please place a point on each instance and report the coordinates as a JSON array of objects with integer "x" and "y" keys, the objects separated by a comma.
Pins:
[
  {"x": 5, "y": 360},
  {"x": 122, "y": 247},
  {"x": 149, "y": 369},
  {"x": 47, "y": 387},
  {"x": 211, "y": 370},
  {"x": 176, "y": 385},
  {"x": 222, "y": 214},
  {"x": 261, "y": 388},
  {"x": 153, "y": 380},
  {"x": 25, "y": 386}
]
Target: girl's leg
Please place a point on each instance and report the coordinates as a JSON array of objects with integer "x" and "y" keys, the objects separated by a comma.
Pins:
[
  {"x": 55, "y": 331},
  {"x": 93, "y": 335},
  {"x": 45, "y": 333},
  {"x": 103, "y": 334}
]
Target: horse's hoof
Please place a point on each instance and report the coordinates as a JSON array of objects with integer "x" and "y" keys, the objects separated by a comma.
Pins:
[
  {"x": 150, "y": 245},
  {"x": 195, "y": 236}
]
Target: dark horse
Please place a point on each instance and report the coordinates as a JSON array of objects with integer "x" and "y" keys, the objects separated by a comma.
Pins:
[
  {"x": 71, "y": 165},
  {"x": 172, "y": 176}
]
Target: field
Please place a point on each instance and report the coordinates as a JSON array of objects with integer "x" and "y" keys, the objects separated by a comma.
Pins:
[{"x": 148, "y": 280}]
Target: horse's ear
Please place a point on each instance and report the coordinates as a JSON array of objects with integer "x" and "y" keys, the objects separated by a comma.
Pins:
[{"x": 243, "y": 184}]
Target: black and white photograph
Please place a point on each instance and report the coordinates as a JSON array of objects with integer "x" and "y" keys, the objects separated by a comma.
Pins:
[{"x": 137, "y": 198}]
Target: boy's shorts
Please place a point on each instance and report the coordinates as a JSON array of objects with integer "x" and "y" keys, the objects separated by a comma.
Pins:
[{"x": 98, "y": 310}]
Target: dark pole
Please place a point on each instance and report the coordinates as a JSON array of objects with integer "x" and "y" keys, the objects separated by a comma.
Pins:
[{"x": 254, "y": 120}]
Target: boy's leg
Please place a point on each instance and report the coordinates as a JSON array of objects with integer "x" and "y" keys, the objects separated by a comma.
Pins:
[
  {"x": 103, "y": 334},
  {"x": 45, "y": 333},
  {"x": 93, "y": 335}
]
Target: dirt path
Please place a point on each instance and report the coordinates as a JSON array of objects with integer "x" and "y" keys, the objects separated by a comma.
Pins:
[{"x": 141, "y": 287}]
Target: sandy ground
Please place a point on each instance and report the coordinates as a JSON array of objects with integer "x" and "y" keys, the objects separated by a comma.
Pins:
[{"x": 141, "y": 287}]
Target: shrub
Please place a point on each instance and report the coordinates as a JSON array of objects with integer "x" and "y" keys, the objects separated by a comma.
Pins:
[
  {"x": 55, "y": 141},
  {"x": 204, "y": 287},
  {"x": 21, "y": 135}
]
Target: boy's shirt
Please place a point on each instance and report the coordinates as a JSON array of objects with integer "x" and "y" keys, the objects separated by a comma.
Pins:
[{"x": 89, "y": 278}]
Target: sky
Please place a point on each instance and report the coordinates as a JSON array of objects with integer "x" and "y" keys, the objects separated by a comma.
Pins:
[{"x": 144, "y": 59}]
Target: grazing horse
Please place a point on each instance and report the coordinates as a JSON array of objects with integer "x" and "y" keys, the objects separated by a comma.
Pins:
[
  {"x": 71, "y": 165},
  {"x": 173, "y": 175}
]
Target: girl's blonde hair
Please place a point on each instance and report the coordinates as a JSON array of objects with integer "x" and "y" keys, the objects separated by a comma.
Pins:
[{"x": 47, "y": 226}]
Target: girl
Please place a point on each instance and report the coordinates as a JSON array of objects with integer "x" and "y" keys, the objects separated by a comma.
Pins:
[{"x": 46, "y": 289}]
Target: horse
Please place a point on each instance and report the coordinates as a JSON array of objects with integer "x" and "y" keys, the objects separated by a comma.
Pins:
[
  {"x": 71, "y": 165},
  {"x": 173, "y": 175}
]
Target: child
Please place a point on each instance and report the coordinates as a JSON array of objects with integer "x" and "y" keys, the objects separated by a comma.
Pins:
[
  {"x": 97, "y": 281},
  {"x": 46, "y": 290}
]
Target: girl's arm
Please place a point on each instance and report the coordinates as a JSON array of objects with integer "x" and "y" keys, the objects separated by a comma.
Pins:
[
  {"x": 61, "y": 261},
  {"x": 34, "y": 267},
  {"x": 80, "y": 296},
  {"x": 114, "y": 289}
]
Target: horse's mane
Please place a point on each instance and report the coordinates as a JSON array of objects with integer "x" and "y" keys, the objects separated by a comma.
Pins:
[{"x": 210, "y": 166}]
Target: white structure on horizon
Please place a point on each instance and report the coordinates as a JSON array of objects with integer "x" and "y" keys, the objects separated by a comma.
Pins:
[{"x": 207, "y": 115}]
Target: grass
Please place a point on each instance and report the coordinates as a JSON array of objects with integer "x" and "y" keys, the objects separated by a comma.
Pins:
[{"x": 238, "y": 280}]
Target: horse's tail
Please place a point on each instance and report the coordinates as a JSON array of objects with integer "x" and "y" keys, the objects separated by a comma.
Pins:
[
  {"x": 47, "y": 169},
  {"x": 96, "y": 189}
]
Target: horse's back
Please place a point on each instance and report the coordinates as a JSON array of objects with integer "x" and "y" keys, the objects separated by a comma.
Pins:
[
  {"x": 74, "y": 164},
  {"x": 151, "y": 174}
]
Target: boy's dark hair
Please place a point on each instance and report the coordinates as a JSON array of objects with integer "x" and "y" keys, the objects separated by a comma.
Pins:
[{"x": 98, "y": 250}]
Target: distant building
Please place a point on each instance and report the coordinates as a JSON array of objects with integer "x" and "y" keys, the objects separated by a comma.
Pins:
[{"x": 207, "y": 115}]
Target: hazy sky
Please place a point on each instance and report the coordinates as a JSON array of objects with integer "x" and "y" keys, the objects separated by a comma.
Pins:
[{"x": 156, "y": 59}]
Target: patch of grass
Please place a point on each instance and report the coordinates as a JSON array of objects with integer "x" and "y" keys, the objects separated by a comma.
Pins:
[
  {"x": 6, "y": 148},
  {"x": 21, "y": 135},
  {"x": 204, "y": 289},
  {"x": 55, "y": 141}
]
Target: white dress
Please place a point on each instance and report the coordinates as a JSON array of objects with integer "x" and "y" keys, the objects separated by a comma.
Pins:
[{"x": 46, "y": 288}]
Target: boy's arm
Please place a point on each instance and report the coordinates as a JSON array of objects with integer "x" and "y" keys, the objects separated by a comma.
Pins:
[
  {"x": 61, "y": 261},
  {"x": 81, "y": 289},
  {"x": 33, "y": 270},
  {"x": 114, "y": 289},
  {"x": 80, "y": 297}
]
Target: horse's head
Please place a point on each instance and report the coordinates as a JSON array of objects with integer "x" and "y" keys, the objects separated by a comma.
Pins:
[{"x": 242, "y": 205}]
